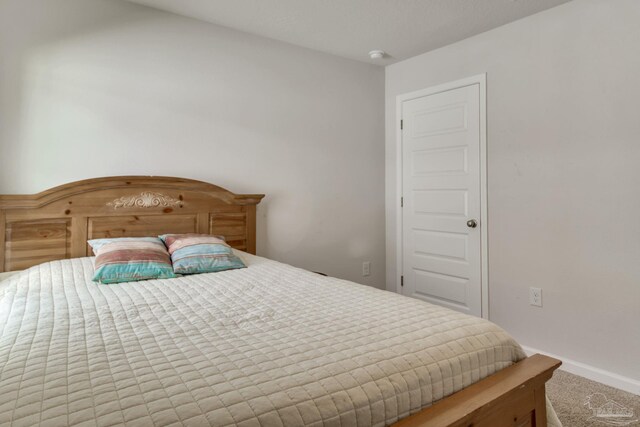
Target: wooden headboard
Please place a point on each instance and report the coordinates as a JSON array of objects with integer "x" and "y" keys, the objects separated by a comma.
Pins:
[{"x": 57, "y": 223}]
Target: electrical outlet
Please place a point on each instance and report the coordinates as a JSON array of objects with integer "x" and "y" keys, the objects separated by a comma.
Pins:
[
  {"x": 535, "y": 297},
  {"x": 366, "y": 268}
]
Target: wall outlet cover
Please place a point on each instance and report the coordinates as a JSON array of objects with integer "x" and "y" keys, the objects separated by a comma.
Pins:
[
  {"x": 366, "y": 268},
  {"x": 535, "y": 297}
]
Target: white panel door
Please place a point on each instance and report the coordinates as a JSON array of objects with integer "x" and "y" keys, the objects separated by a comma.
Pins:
[{"x": 442, "y": 248}]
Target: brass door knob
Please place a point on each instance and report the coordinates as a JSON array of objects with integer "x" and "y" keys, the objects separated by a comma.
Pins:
[{"x": 472, "y": 223}]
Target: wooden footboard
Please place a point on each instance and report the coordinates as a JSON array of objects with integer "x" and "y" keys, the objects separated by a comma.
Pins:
[{"x": 514, "y": 396}]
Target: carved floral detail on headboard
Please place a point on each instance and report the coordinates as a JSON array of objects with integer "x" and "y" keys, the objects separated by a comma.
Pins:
[{"x": 146, "y": 199}]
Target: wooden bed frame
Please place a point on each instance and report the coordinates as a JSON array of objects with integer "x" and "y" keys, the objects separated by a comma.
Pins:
[
  {"x": 514, "y": 396},
  {"x": 57, "y": 223}
]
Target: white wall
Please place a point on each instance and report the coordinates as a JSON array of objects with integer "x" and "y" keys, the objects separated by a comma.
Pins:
[
  {"x": 93, "y": 88},
  {"x": 564, "y": 174}
]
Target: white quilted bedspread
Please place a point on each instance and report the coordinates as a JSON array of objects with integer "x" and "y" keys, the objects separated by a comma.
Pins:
[{"x": 269, "y": 345}]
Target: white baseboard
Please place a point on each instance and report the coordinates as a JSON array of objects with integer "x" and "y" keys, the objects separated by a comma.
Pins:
[{"x": 595, "y": 374}]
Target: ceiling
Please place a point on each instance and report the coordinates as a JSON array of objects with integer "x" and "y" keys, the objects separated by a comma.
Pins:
[{"x": 352, "y": 28}]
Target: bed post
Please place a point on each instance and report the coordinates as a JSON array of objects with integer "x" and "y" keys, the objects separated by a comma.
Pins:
[
  {"x": 251, "y": 229},
  {"x": 2, "y": 240},
  {"x": 514, "y": 396}
]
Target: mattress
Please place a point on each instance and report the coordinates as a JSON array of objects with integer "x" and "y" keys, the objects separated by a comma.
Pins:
[{"x": 269, "y": 345}]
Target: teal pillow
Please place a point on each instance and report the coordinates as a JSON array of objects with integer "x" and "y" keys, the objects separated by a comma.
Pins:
[
  {"x": 130, "y": 259},
  {"x": 200, "y": 253}
]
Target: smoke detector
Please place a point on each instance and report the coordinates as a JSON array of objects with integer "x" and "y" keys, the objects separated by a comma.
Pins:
[{"x": 376, "y": 54}]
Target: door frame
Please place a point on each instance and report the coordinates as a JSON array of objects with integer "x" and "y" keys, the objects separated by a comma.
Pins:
[{"x": 481, "y": 80}]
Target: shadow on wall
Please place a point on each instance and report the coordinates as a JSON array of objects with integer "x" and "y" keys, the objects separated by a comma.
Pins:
[{"x": 102, "y": 88}]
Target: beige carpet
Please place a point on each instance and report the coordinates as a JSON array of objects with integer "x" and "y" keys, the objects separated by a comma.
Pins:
[{"x": 575, "y": 398}]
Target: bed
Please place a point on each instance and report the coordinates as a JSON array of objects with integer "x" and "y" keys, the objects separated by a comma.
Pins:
[{"x": 269, "y": 345}]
